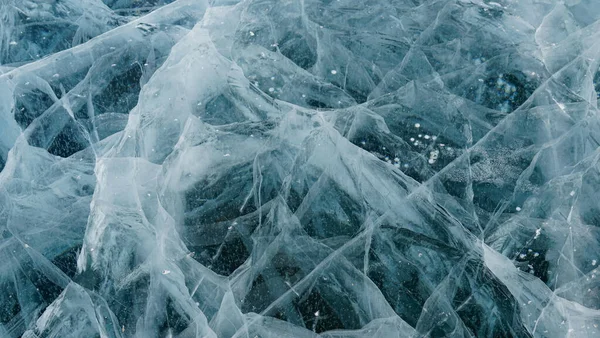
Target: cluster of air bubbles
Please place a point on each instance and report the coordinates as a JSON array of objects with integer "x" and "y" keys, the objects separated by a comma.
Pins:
[
  {"x": 479, "y": 61},
  {"x": 433, "y": 156},
  {"x": 395, "y": 161},
  {"x": 425, "y": 141},
  {"x": 507, "y": 90},
  {"x": 530, "y": 261},
  {"x": 505, "y": 86}
]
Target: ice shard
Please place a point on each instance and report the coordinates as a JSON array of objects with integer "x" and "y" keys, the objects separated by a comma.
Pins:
[{"x": 299, "y": 168}]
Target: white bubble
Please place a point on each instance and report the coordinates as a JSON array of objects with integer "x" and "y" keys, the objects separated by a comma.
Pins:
[
  {"x": 417, "y": 125},
  {"x": 334, "y": 72}
]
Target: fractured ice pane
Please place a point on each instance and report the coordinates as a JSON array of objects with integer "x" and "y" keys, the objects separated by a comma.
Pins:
[{"x": 301, "y": 168}]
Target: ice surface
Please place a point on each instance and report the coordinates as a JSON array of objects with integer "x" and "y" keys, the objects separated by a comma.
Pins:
[{"x": 300, "y": 168}]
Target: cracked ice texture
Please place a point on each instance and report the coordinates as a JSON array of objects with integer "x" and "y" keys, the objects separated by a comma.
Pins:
[{"x": 299, "y": 168}]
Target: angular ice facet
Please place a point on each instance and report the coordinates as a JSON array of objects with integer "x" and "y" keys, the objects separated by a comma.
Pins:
[{"x": 302, "y": 168}]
